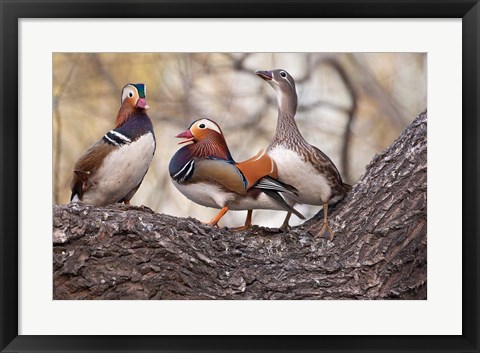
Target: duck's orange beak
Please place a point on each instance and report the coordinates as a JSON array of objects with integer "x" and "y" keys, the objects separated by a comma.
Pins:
[{"x": 187, "y": 135}]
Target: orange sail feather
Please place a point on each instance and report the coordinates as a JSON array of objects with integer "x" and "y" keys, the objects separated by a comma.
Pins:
[{"x": 257, "y": 167}]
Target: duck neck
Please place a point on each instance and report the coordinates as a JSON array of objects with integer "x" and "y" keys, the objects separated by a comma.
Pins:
[
  {"x": 287, "y": 103},
  {"x": 211, "y": 146},
  {"x": 126, "y": 112},
  {"x": 287, "y": 128}
]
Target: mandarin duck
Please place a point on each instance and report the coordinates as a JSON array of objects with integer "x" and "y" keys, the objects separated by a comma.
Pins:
[
  {"x": 205, "y": 172},
  {"x": 300, "y": 164},
  {"x": 112, "y": 169}
]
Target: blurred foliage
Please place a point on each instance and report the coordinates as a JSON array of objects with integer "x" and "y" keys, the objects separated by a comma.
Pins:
[{"x": 351, "y": 106}]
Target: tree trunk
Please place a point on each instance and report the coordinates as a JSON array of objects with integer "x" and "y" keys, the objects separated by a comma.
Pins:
[{"x": 379, "y": 250}]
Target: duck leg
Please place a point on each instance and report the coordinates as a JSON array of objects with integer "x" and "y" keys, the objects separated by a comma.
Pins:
[
  {"x": 248, "y": 222},
  {"x": 219, "y": 215},
  {"x": 285, "y": 226},
  {"x": 326, "y": 232}
]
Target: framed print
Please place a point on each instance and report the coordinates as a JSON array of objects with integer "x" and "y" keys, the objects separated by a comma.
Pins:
[{"x": 93, "y": 96}]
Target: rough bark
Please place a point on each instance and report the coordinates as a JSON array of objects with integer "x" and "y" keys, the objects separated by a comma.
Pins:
[{"x": 379, "y": 250}]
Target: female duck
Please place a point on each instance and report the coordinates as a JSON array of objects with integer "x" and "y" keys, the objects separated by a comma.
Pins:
[{"x": 300, "y": 164}]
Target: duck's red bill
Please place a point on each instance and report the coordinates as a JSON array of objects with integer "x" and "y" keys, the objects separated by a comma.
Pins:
[
  {"x": 187, "y": 135},
  {"x": 142, "y": 103}
]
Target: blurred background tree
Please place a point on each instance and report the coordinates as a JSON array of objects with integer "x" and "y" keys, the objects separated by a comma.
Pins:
[{"x": 351, "y": 106}]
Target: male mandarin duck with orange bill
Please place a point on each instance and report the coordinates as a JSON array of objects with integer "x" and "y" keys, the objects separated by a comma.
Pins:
[
  {"x": 205, "y": 172},
  {"x": 300, "y": 164},
  {"x": 112, "y": 169}
]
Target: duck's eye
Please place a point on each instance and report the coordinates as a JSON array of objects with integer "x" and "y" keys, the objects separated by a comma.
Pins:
[
  {"x": 201, "y": 126},
  {"x": 283, "y": 74},
  {"x": 130, "y": 94}
]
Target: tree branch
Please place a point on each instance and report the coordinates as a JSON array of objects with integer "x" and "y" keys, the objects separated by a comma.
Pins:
[{"x": 379, "y": 250}]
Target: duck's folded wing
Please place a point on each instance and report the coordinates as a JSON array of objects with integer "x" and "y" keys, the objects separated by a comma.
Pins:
[
  {"x": 330, "y": 171},
  {"x": 325, "y": 165},
  {"x": 257, "y": 167},
  {"x": 87, "y": 165},
  {"x": 222, "y": 172}
]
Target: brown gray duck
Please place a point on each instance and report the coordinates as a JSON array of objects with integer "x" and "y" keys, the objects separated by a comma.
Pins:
[{"x": 300, "y": 164}]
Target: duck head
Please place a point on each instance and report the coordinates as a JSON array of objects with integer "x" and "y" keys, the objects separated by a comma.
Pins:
[
  {"x": 206, "y": 139},
  {"x": 133, "y": 101},
  {"x": 284, "y": 85}
]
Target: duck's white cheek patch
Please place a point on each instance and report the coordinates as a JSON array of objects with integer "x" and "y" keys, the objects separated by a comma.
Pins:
[{"x": 215, "y": 127}]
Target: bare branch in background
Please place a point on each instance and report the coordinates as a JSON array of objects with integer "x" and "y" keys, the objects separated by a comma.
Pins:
[
  {"x": 384, "y": 99},
  {"x": 105, "y": 74},
  {"x": 238, "y": 63},
  {"x": 58, "y": 132},
  {"x": 345, "y": 160}
]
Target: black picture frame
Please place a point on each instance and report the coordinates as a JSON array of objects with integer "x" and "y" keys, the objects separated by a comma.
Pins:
[{"x": 12, "y": 11}]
